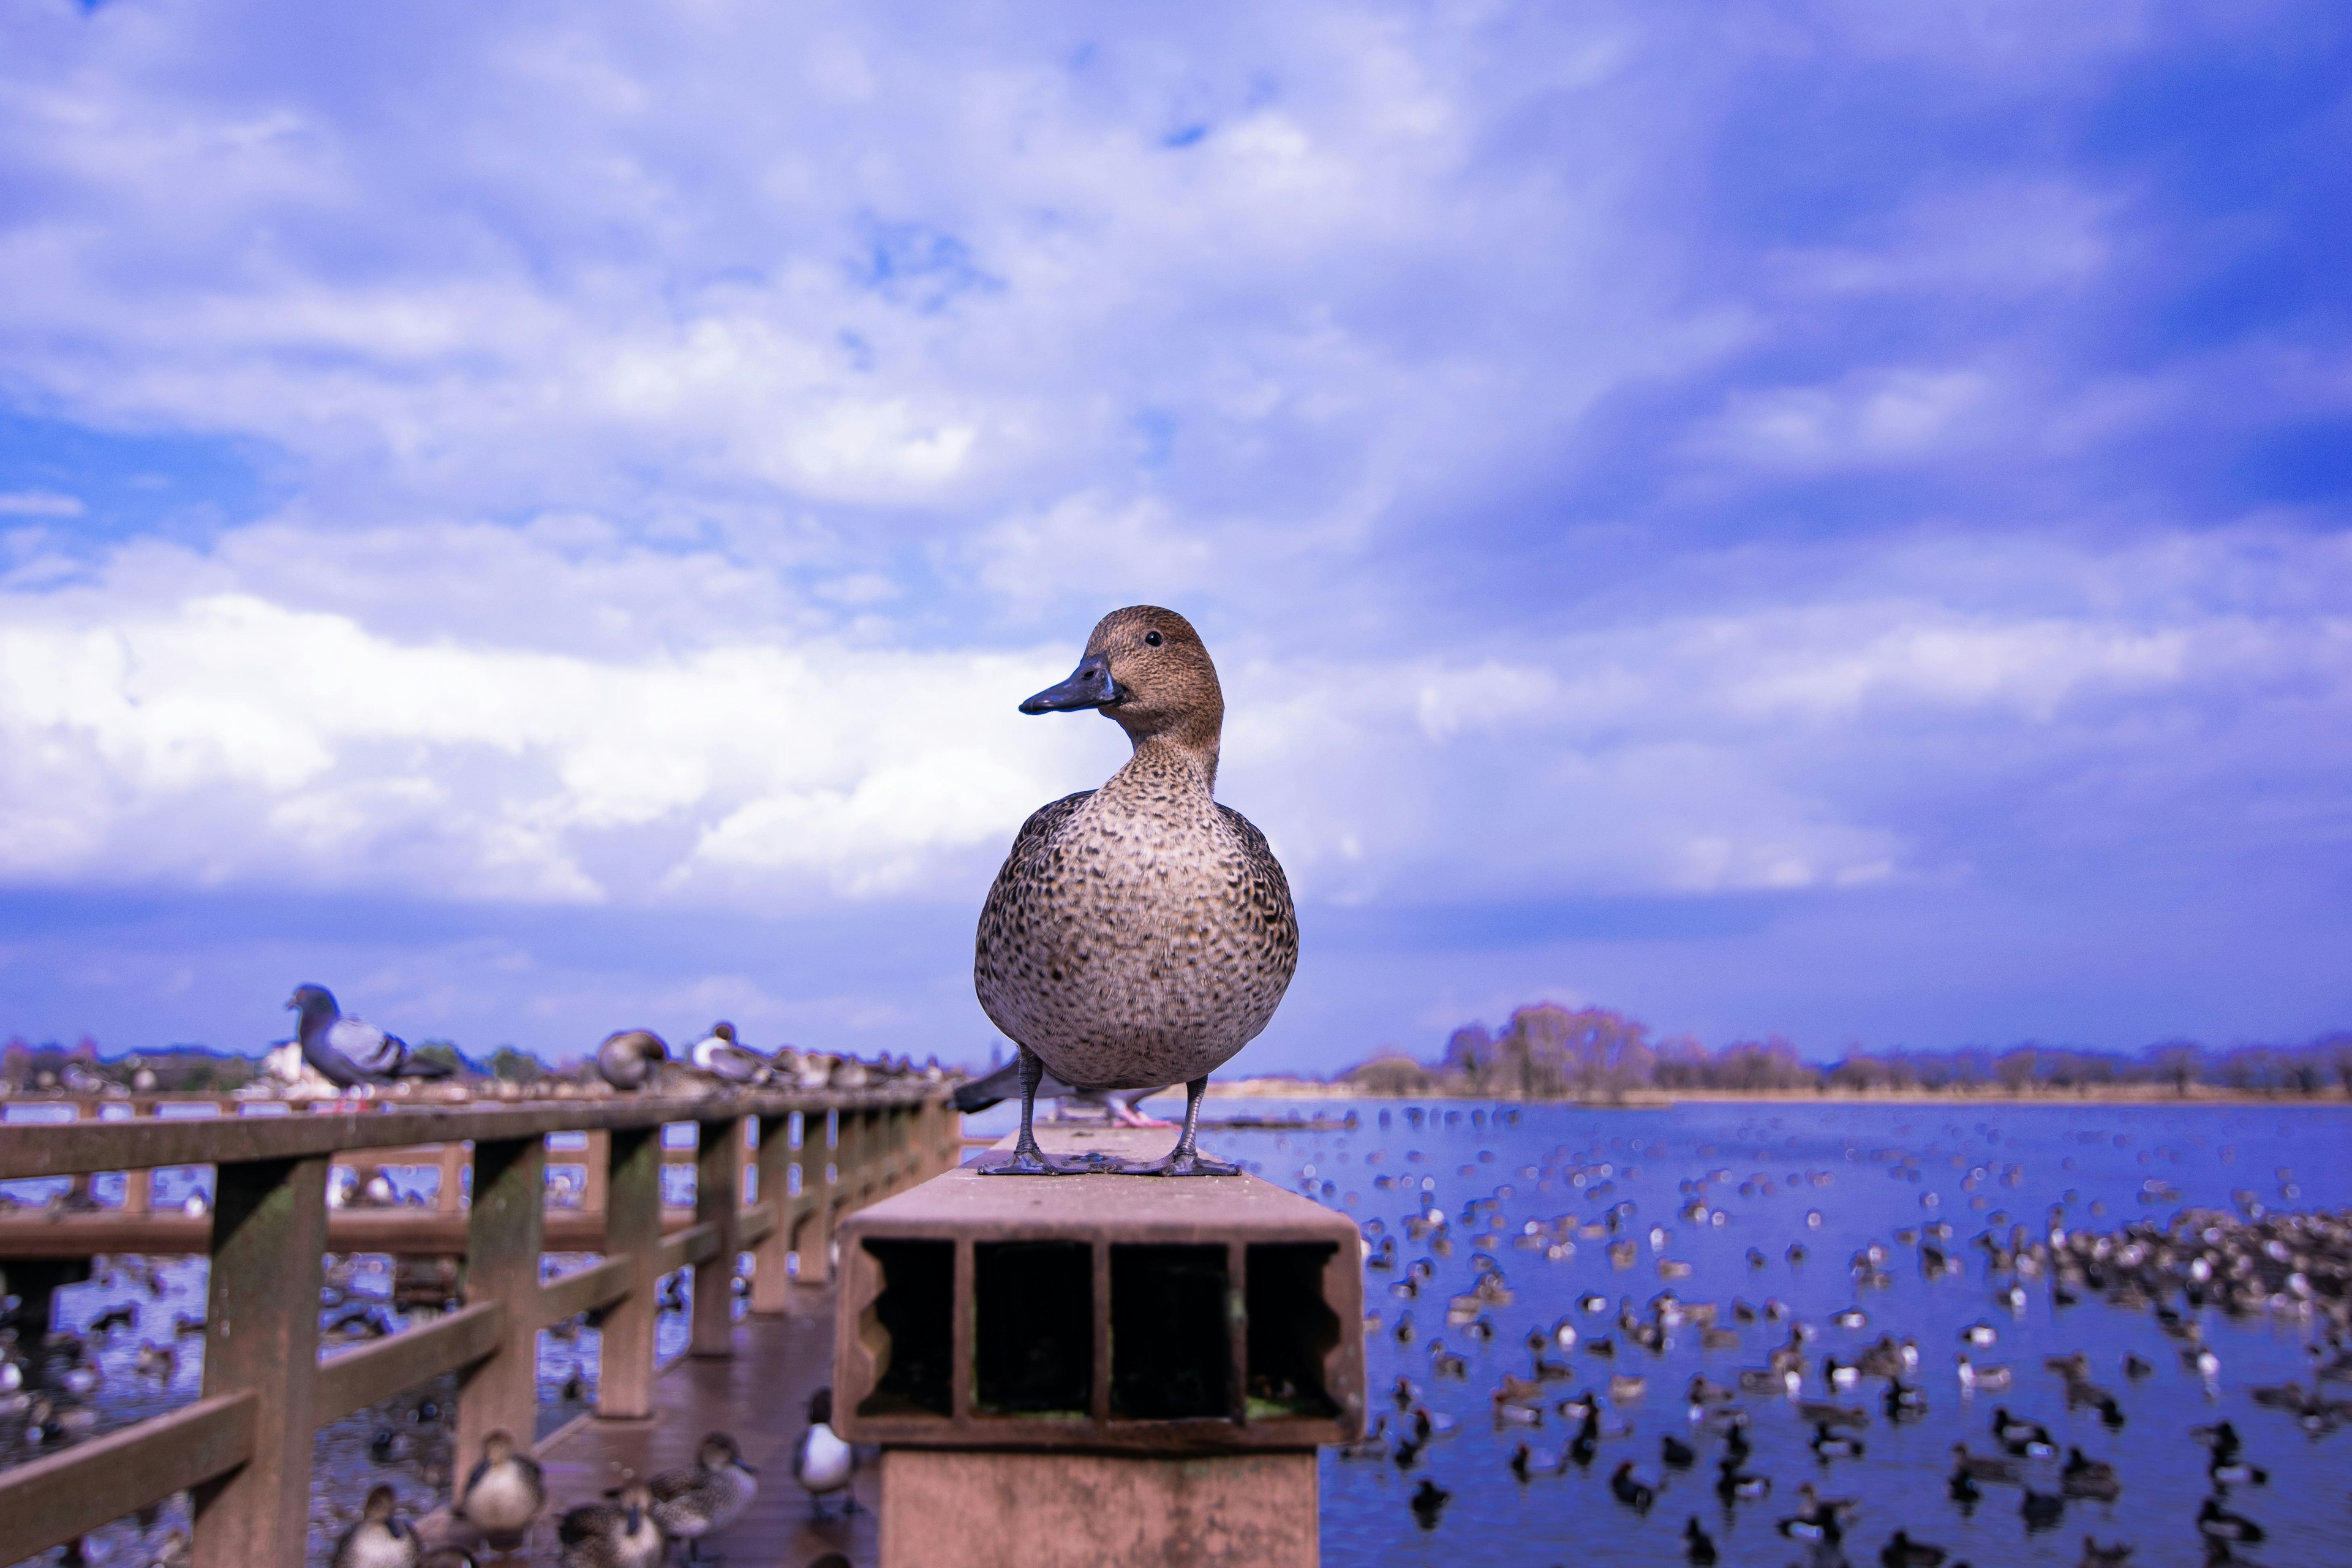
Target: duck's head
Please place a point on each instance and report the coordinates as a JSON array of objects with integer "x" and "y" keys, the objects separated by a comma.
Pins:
[{"x": 1146, "y": 667}]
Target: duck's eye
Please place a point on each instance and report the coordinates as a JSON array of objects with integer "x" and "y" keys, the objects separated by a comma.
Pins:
[{"x": 1151, "y": 638}]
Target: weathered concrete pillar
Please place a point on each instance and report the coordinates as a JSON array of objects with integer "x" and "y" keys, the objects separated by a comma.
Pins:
[{"x": 270, "y": 1243}]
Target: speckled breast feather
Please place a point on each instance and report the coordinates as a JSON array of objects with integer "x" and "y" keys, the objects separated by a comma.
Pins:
[{"x": 1138, "y": 934}]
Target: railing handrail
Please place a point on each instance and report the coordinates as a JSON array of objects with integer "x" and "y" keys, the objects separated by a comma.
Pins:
[
  {"x": 244, "y": 1445},
  {"x": 33, "y": 1150}
]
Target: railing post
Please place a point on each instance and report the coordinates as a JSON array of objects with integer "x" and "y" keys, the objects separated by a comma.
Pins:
[
  {"x": 717, "y": 1203},
  {"x": 270, "y": 1243},
  {"x": 624, "y": 1382},
  {"x": 812, "y": 1232},
  {"x": 450, "y": 1196},
  {"x": 594, "y": 1162},
  {"x": 139, "y": 1186},
  {"x": 500, "y": 1392},
  {"x": 772, "y": 1286}
]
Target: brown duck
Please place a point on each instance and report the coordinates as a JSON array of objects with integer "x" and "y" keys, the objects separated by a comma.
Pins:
[{"x": 1140, "y": 934}]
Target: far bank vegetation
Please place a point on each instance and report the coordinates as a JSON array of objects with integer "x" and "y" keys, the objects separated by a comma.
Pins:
[{"x": 1550, "y": 1052}]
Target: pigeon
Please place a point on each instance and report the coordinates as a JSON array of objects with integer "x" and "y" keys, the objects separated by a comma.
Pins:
[{"x": 350, "y": 1052}]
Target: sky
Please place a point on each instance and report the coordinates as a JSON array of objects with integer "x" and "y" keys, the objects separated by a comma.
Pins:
[{"x": 1830, "y": 518}]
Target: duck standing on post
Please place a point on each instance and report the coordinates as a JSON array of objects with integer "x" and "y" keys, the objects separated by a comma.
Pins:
[{"x": 1140, "y": 934}]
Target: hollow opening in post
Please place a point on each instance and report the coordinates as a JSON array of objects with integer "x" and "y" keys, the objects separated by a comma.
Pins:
[
  {"x": 910, "y": 1328},
  {"x": 1171, "y": 1348},
  {"x": 1033, "y": 1328},
  {"x": 1292, "y": 1329}
]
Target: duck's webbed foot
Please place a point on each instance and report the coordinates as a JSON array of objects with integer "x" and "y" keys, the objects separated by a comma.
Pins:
[
  {"x": 1027, "y": 1159},
  {"x": 1184, "y": 1160}
]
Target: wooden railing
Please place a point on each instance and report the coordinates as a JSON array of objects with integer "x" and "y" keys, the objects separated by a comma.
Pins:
[{"x": 243, "y": 1449}]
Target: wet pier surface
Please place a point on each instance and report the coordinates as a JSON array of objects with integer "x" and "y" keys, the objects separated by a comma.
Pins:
[{"x": 758, "y": 1398}]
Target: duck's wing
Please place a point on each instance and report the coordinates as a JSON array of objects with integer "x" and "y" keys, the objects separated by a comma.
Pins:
[
  {"x": 331, "y": 1063},
  {"x": 1269, "y": 889}
]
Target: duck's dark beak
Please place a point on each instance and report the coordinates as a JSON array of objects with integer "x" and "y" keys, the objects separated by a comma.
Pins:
[{"x": 1089, "y": 686}]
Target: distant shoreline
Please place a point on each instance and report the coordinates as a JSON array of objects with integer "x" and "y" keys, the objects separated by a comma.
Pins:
[{"x": 1660, "y": 1099}]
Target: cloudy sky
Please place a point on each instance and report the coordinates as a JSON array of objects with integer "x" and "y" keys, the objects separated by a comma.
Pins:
[{"x": 1828, "y": 518}]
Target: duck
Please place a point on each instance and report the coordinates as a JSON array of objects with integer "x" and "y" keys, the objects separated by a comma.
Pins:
[
  {"x": 626, "y": 1059},
  {"x": 701, "y": 1498},
  {"x": 2217, "y": 1523},
  {"x": 2095, "y": 1480},
  {"x": 1698, "y": 1546},
  {"x": 503, "y": 1493},
  {"x": 722, "y": 1055},
  {"x": 618, "y": 1533},
  {"x": 382, "y": 1539},
  {"x": 823, "y": 1464},
  {"x": 1428, "y": 1501},
  {"x": 1630, "y": 1490},
  {"x": 1676, "y": 1454},
  {"x": 1986, "y": 1469},
  {"x": 1527, "y": 1461},
  {"x": 2098, "y": 1556},
  {"x": 1828, "y": 1445},
  {"x": 1902, "y": 1551},
  {"x": 1992, "y": 1379},
  {"x": 1139, "y": 933},
  {"x": 2041, "y": 1510}
]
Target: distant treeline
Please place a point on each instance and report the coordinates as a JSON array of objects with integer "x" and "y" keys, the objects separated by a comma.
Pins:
[
  {"x": 1550, "y": 1052},
  {"x": 200, "y": 1069}
]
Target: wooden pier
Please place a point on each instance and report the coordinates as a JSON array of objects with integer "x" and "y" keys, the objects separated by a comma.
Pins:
[{"x": 242, "y": 1449}]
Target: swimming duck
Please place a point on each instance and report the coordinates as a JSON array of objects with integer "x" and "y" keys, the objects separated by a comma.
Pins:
[
  {"x": 380, "y": 1539},
  {"x": 1630, "y": 1490},
  {"x": 822, "y": 1462},
  {"x": 618, "y": 1533},
  {"x": 2086, "y": 1478},
  {"x": 1428, "y": 1503},
  {"x": 1140, "y": 934},
  {"x": 2217, "y": 1523},
  {"x": 694, "y": 1501},
  {"x": 1902, "y": 1551},
  {"x": 2098, "y": 1556},
  {"x": 1698, "y": 1546},
  {"x": 503, "y": 1494}
]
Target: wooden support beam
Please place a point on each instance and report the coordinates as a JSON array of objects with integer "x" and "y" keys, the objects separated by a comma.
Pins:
[
  {"x": 585, "y": 1289},
  {"x": 499, "y": 1393},
  {"x": 269, "y": 1242},
  {"x": 718, "y": 1201},
  {"x": 48, "y": 1501},
  {"x": 358, "y": 1378},
  {"x": 632, "y": 1224},
  {"x": 450, "y": 1196},
  {"x": 771, "y": 1281}
]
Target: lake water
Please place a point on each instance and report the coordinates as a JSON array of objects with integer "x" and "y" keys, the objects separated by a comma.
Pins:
[{"x": 1866, "y": 1171}]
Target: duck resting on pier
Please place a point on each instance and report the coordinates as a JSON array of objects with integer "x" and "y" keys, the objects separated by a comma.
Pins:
[{"x": 1140, "y": 933}]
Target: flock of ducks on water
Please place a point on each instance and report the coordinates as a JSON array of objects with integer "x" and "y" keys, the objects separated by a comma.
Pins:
[{"x": 2296, "y": 1267}]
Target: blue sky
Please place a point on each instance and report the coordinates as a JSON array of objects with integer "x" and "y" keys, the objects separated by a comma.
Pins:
[{"x": 1827, "y": 518}]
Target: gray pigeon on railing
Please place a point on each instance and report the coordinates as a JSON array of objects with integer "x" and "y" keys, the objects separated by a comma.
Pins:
[{"x": 349, "y": 1052}]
